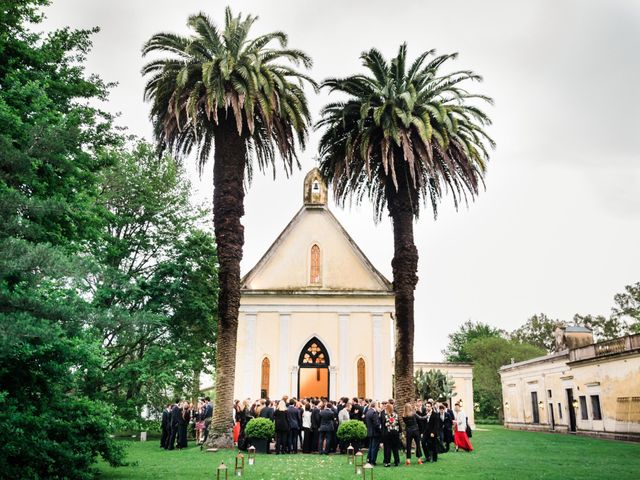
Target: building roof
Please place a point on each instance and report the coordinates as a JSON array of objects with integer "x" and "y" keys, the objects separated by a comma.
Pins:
[
  {"x": 544, "y": 358},
  {"x": 577, "y": 329},
  {"x": 283, "y": 269}
]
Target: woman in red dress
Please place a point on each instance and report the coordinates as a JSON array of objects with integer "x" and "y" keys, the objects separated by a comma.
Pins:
[{"x": 460, "y": 437}]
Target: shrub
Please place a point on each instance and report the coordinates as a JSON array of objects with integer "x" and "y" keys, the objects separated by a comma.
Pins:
[
  {"x": 488, "y": 421},
  {"x": 260, "y": 428},
  {"x": 352, "y": 430}
]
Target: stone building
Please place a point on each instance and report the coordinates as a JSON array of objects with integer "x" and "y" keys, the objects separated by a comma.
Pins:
[
  {"x": 316, "y": 317},
  {"x": 315, "y": 314},
  {"x": 588, "y": 388}
]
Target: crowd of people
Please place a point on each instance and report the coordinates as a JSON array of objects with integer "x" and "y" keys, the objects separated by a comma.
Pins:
[
  {"x": 178, "y": 416},
  {"x": 310, "y": 425}
]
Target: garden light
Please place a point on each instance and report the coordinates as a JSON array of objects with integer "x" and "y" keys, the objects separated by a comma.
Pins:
[
  {"x": 239, "y": 470},
  {"x": 222, "y": 473},
  {"x": 359, "y": 463}
]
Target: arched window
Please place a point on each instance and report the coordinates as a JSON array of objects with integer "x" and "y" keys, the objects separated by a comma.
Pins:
[
  {"x": 264, "y": 383},
  {"x": 314, "y": 354},
  {"x": 362, "y": 385},
  {"x": 315, "y": 265}
]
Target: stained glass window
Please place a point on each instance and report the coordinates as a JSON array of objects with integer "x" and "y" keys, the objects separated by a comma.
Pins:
[
  {"x": 362, "y": 390},
  {"x": 314, "y": 354},
  {"x": 315, "y": 264}
]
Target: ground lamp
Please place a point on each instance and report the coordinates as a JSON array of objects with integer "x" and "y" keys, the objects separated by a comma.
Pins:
[
  {"x": 251, "y": 454},
  {"x": 359, "y": 463},
  {"x": 239, "y": 470},
  {"x": 222, "y": 473},
  {"x": 367, "y": 472},
  {"x": 350, "y": 454}
]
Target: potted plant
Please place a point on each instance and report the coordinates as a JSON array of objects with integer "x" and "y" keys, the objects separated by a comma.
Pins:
[
  {"x": 259, "y": 432},
  {"x": 353, "y": 432}
]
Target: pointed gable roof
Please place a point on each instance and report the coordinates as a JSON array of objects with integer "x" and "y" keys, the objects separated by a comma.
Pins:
[{"x": 286, "y": 264}]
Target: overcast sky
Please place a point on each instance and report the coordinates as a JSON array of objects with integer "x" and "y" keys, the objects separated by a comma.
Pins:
[{"x": 557, "y": 229}]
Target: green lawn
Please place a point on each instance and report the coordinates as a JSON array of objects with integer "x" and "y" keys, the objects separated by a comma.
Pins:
[{"x": 499, "y": 453}]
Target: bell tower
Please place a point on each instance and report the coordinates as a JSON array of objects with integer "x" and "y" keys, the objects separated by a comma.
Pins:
[{"x": 315, "y": 190}]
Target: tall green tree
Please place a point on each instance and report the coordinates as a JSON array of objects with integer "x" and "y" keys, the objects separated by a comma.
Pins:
[
  {"x": 404, "y": 135},
  {"x": 456, "y": 350},
  {"x": 52, "y": 422},
  {"x": 488, "y": 355},
  {"x": 627, "y": 306},
  {"x": 244, "y": 98},
  {"x": 603, "y": 328},
  {"x": 154, "y": 286},
  {"x": 538, "y": 330}
]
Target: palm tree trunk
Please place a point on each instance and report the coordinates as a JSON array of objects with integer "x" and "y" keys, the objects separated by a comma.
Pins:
[
  {"x": 405, "y": 278},
  {"x": 228, "y": 209}
]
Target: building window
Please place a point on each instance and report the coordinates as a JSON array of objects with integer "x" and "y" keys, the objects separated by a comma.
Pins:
[
  {"x": 314, "y": 354},
  {"x": 315, "y": 265},
  {"x": 560, "y": 410},
  {"x": 595, "y": 407},
  {"x": 362, "y": 385},
  {"x": 264, "y": 383},
  {"x": 584, "y": 414},
  {"x": 549, "y": 393}
]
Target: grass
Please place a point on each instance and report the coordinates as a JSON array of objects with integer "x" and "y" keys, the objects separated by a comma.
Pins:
[{"x": 498, "y": 454}]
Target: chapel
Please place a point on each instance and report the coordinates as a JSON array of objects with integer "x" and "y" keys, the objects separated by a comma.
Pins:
[{"x": 316, "y": 317}]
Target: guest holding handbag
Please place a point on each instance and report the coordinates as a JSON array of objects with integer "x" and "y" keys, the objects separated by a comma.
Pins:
[{"x": 460, "y": 437}]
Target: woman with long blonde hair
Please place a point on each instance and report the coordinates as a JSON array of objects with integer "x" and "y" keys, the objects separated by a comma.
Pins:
[
  {"x": 412, "y": 431},
  {"x": 282, "y": 428}
]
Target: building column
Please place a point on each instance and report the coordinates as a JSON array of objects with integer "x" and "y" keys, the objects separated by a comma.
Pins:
[
  {"x": 283, "y": 360},
  {"x": 333, "y": 377},
  {"x": 249, "y": 360},
  {"x": 344, "y": 387},
  {"x": 294, "y": 381},
  {"x": 377, "y": 354}
]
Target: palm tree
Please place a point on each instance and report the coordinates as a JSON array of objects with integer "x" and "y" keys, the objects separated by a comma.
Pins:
[
  {"x": 403, "y": 137},
  {"x": 244, "y": 98}
]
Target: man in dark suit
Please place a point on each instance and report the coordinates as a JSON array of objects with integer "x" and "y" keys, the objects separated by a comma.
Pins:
[
  {"x": 165, "y": 425},
  {"x": 293, "y": 415},
  {"x": 174, "y": 422},
  {"x": 356, "y": 410},
  {"x": 268, "y": 410},
  {"x": 326, "y": 429},
  {"x": 207, "y": 416},
  {"x": 374, "y": 429},
  {"x": 446, "y": 427},
  {"x": 315, "y": 425},
  {"x": 431, "y": 433}
]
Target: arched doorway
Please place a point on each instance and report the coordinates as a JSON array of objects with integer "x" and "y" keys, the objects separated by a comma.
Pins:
[{"x": 313, "y": 374}]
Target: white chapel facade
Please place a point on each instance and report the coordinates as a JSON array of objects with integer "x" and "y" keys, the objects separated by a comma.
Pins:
[{"x": 316, "y": 317}]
